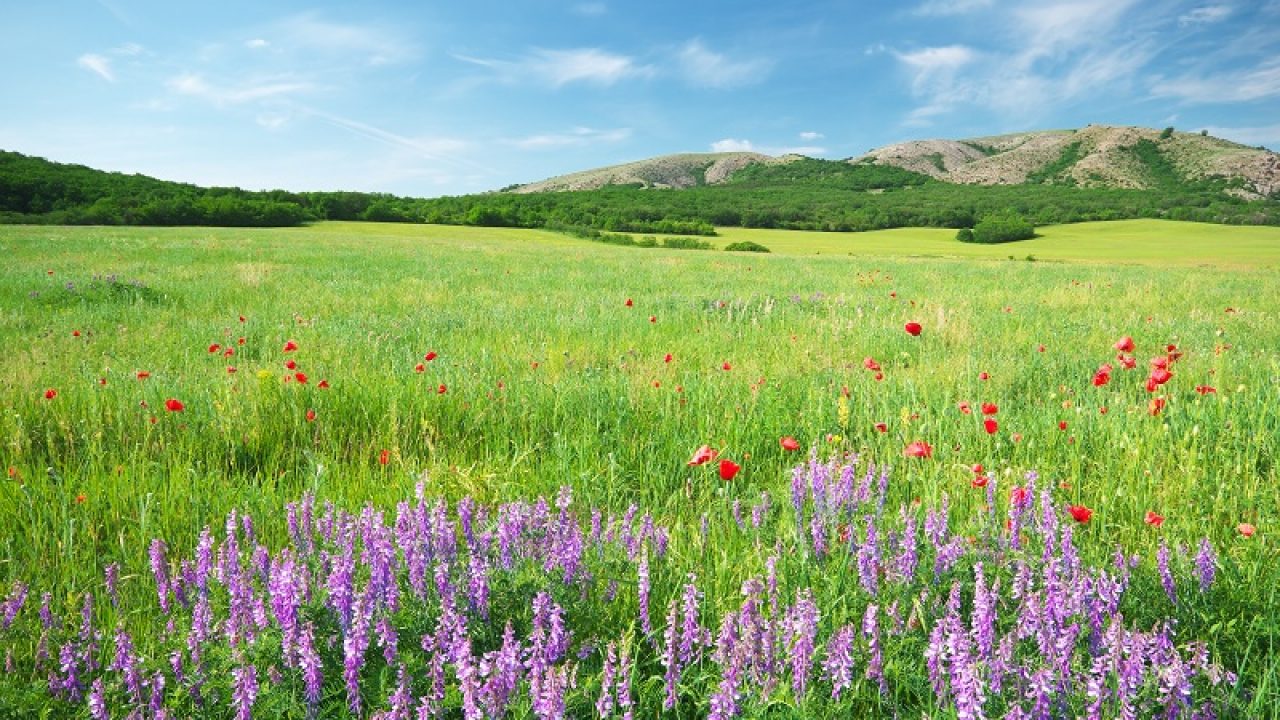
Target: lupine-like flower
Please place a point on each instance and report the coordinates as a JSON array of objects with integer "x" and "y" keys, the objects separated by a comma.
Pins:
[
  {"x": 1166, "y": 575},
  {"x": 1206, "y": 564},
  {"x": 875, "y": 651},
  {"x": 12, "y": 604},
  {"x": 838, "y": 665},
  {"x": 97, "y": 701},
  {"x": 244, "y": 691},
  {"x": 642, "y": 590}
]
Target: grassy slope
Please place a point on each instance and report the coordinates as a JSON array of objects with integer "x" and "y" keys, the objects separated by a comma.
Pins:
[{"x": 366, "y": 301}]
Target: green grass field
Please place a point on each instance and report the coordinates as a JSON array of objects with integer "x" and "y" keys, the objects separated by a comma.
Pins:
[{"x": 551, "y": 368}]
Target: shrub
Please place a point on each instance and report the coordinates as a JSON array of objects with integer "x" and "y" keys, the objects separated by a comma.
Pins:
[
  {"x": 746, "y": 246},
  {"x": 685, "y": 243},
  {"x": 1002, "y": 228},
  {"x": 965, "y": 235}
]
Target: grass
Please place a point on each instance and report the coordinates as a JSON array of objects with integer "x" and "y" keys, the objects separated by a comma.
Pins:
[{"x": 550, "y": 378}]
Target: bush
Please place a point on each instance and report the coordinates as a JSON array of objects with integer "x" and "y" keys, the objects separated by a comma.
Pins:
[
  {"x": 685, "y": 243},
  {"x": 965, "y": 235},
  {"x": 1001, "y": 229},
  {"x": 746, "y": 246}
]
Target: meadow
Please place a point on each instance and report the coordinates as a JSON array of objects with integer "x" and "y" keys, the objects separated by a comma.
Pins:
[{"x": 556, "y": 395}]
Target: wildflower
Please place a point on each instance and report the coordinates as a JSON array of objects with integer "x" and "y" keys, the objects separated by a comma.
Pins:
[
  {"x": 964, "y": 407},
  {"x": 323, "y": 384},
  {"x": 913, "y": 329},
  {"x": 726, "y": 366},
  {"x": 666, "y": 358},
  {"x": 1205, "y": 389},
  {"x": 290, "y": 346},
  {"x": 1152, "y": 519},
  {"x": 50, "y": 394},
  {"x": 1155, "y": 406},
  {"x": 871, "y": 364},
  {"x": 419, "y": 368},
  {"x": 1062, "y": 425},
  {"x": 384, "y": 457},
  {"x": 311, "y": 415},
  {"x": 628, "y": 303},
  {"x": 653, "y": 318},
  {"x": 431, "y": 355},
  {"x": 1246, "y": 529},
  {"x": 1080, "y": 513},
  {"x": 789, "y": 444},
  {"x": 919, "y": 448},
  {"x": 984, "y": 375},
  {"x": 989, "y": 409},
  {"x": 702, "y": 455},
  {"x": 174, "y": 405},
  {"x": 990, "y": 425},
  {"x": 728, "y": 469},
  {"x": 215, "y": 348},
  {"x": 442, "y": 389},
  {"x": 290, "y": 365},
  {"x": 1206, "y": 564},
  {"x": 881, "y": 427},
  {"x": 1124, "y": 344}
]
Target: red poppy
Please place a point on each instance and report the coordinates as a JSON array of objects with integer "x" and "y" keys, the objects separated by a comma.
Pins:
[
  {"x": 1040, "y": 348},
  {"x": 1155, "y": 406},
  {"x": 1062, "y": 425},
  {"x": 323, "y": 385},
  {"x": 174, "y": 405},
  {"x": 726, "y": 366},
  {"x": 989, "y": 409},
  {"x": 702, "y": 455},
  {"x": 1128, "y": 361},
  {"x": 231, "y": 370},
  {"x": 311, "y": 415},
  {"x": 979, "y": 481},
  {"x": 239, "y": 341},
  {"x": 882, "y": 427},
  {"x": 431, "y": 355},
  {"x": 657, "y": 383},
  {"x": 1101, "y": 378},
  {"x": 1246, "y": 529},
  {"x": 1205, "y": 389},
  {"x": 13, "y": 471},
  {"x": 384, "y": 457},
  {"x": 102, "y": 381},
  {"x": 241, "y": 318},
  {"x": 879, "y": 376},
  {"x": 1160, "y": 376},
  {"x": 1160, "y": 361},
  {"x": 1153, "y": 519},
  {"x": 301, "y": 377},
  {"x": 628, "y": 303},
  {"x": 666, "y": 358},
  {"x": 964, "y": 407},
  {"x": 990, "y": 425},
  {"x": 50, "y": 394},
  {"x": 419, "y": 368},
  {"x": 913, "y": 329},
  {"x": 1018, "y": 495},
  {"x": 870, "y": 364},
  {"x": 977, "y": 469},
  {"x": 214, "y": 348},
  {"x": 728, "y": 469},
  {"x": 919, "y": 448},
  {"x": 984, "y": 375},
  {"x": 143, "y": 374},
  {"x": 789, "y": 443},
  {"x": 291, "y": 365},
  {"x": 229, "y": 352},
  {"x": 442, "y": 389},
  {"x": 1124, "y": 344},
  {"x": 75, "y": 333},
  {"x": 290, "y": 346},
  {"x": 653, "y": 318},
  {"x": 1080, "y": 513},
  {"x": 80, "y": 499}
]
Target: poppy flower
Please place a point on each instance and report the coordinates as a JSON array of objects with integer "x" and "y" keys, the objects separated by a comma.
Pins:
[
  {"x": 239, "y": 341},
  {"x": 50, "y": 394},
  {"x": 919, "y": 448},
  {"x": 431, "y": 355},
  {"x": 143, "y": 374},
  {"x": 984, "y": 375},
  {"x": 789, "y": 443},
  {"x": 301, "y": 377},
  {"x": 1040, "y": 348},
  {"x": 979, "y": 481},
  {"x": 231, "y": 370},
  {"x": 1160, "y": 376},
  {"x": 653, "y": 318},
  {"x": 241, "y": 318},
  {"x": 1062, "y": 425},
  {"x": 666, "y": 358},
  {"x": 384, "y": 457},
  {"x": 1080, "y": 513},
  {"x": 1152, "y": 519},
  {"x": 1128, "y": 361},
  {"x": 882, "y": 427},
  {"x": 1160, "y": 361},
  {"x": 964, "y": 407},
  {"x": 913, "y": 329},
  {"x": 75, "y": 333},
  {"x": 1018, "y": 495},
  {"x": 419, "y": 368},
  {"x": 702, "y": 455},
  {"x": 442, "y": 389},
  {"x": 726, "y": 366},
  {"x": 977, "y": 469},
  {"x": 174, "y": 405},
  {"x": 229, "y": 352},
  {"x": 311, "y": 415},
  {"x": 1124, "y": 344},
  {"x": 1101, "y": 378},
  {"x": 102, "y": 381},
  {"x": 628, "y": 303},
  {"x": 989, "y": 409},
  {"x": 13, "y": 471},
  {"x": 214, "y": 348},
  {"x": 291, "y": 365},
  {"x": 879, "y": 376},
  {"x": 323, "y": 385},
  {"x": 1155, "y": 406},
  {"x": 1246, "y": 529},
  {"x": 290, "y": 346},
  {"x": 728, "y": 469},
  {"x": 80, "y": 499},
  {"x": 870, "y": 364},
  {"x": 990, "y": 425},
  {"x": 1205, "y": 389}
]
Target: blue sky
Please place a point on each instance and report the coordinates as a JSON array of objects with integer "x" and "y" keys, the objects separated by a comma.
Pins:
[{"x": 434, "y": 98}]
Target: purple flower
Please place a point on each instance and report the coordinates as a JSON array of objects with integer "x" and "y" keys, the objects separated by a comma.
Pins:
[
  {"x": 127, "y": 664},
  {"x": 502, "y": 670},
  {"x": 875, "y": 660},
  {"x": 799, "y": 633},
  {"x": 244, "y": 690},
  {"x": 838, "y": 665},
  {"x": 12, "y": 605},
  {"x": 1206, "y": 564},
  {"x": 312, "y": 671},
  {"x": 97, "y": 701},
  {"x": 111, "y": 576},
  {"x": 642, "y": 590},
  {"x": 671, "y": 659},
  {"x": 1166, "y": 576}
]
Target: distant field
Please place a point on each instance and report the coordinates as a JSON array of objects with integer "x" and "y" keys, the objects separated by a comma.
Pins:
[
  {"x": 155, "y": 379},
  {"x": 1151, "y": 242}
]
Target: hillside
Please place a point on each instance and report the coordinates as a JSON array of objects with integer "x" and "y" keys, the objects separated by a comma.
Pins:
[
  {"x": 685, "y": 170},
  {"x": 1094, "y": 156}
]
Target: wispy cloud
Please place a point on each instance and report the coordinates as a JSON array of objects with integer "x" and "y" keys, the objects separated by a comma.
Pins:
[
  {"x": 591, "y": 9},
  {"x": 256, "y": 44},
  {"x": 371, "y": 43},
  {"x": 1256, "y": 83},
  {"x": 732, "y": 145},
  {"x": 705, "y": 68},
  {"x": 195, "y": 85},
  {"x": 743, "y": 145},
  {"x": 577, "y": 137},
  {"x": 440, "y": 149},
  {"x": 1206, "y": 14},
  {"x": 951, "y": 7},
  {"x": 811, "y": 135},
  {"x": 1268, "y": 135},
  {"x": 562, "y": 67},
  {"x": 97, "y": 64}
]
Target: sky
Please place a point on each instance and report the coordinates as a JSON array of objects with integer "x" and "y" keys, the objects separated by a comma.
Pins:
[{"x": 446, "y": 98}]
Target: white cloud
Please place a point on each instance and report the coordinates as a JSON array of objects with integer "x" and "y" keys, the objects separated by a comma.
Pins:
[
  {"x": 811, "y": 135},
  {"x": 196, "y": 86},
  {"x": 1054, "y": 29},
  {"x": 1205, "y": 15},
  {"x": 97, "y": 64},
  {"x": 951, "y": 7},
  {"x": 705, "y": 68},
  {"x": 576, "y": 137},
  {"x": 933, "y": 69},
  {"x": 732, "y": 145},
  {"x": 562, "y": 67},
  {"x": 256, "y": 43},
  {"x": 373, "y": 44},
  {"x": 129, "y": 49},
  {"x": 1236, "y": 86},
  {"x": 591, "y": 9}
]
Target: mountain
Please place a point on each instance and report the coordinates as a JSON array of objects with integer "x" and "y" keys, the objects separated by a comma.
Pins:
[{"x": 1096, "y": 156}]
